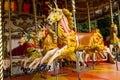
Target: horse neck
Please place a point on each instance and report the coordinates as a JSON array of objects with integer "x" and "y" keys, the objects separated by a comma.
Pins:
[
  {"x": 47, "y": 37},
  {"x": 31, "y": 41},
  {"x": 64, "y": 24},
  {"x": 31, "y": 44}
]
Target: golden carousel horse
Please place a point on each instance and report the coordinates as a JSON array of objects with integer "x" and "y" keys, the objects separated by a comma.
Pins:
[
  {"x": 68, "y": 40},
  {"x": 33, "y": 51},
  {"x": 49, "y": 38},
  {"x": 114, "y": 40}
]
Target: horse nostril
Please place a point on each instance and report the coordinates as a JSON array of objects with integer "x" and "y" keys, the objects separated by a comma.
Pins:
[{"x": 48, "y": 19}]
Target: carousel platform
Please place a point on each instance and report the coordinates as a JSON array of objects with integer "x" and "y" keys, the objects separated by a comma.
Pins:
[{"x": 102, "y": 71}]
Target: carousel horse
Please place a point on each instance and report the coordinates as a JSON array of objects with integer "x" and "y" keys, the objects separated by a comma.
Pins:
[
  {"x": 50, "y": 37},
  {"x": 114, "y": 40},
  {"x": 68, "y": 40},
  {"x": 113, "y": 34},
  {"x": 33, "y": 51}
]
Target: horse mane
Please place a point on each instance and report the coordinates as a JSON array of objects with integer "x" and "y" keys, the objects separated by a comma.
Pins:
[
  {"x": 68, "y": 15},
  {"x": 33, "y": 38}
]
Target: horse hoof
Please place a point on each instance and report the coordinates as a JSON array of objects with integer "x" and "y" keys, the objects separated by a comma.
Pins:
[
  {"x": 22, "y": 68},
  {"x": 28, "y": 69},
  {"x": 25, "y": 70},
  {"x": 8, "y": 69},
  {"x": 86, "y": 64},
  {"x": 104, "y": 57},
  {"x": 32, "y": 70},
  {"x": 94, "y": 63},
  {"x": 47, "y": 67},
  {"x": 40, "y": 65},
  {"x": 6, "y": 75}
]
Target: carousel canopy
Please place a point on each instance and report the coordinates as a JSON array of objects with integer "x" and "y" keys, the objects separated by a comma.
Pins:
[
  {"x": 23, "y": 11},
  {"x": 97, "y": 8}
]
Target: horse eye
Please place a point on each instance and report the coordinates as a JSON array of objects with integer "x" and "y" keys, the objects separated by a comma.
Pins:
[{"x": 55, "y": 11}]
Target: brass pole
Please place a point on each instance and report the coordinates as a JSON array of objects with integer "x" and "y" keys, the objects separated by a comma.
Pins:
[
  {"x": 65, "y": 3},
  {"x": 77, "y": 55},
  {"x": 74, "y": 16},
  {"x": 111, "y": 12},
  {"x": 35, "y": 15},
  {"x": 1, "y": 47},
  {"x": 10, "y": 42},
  {"x": 88, "y": 16},
  {"x": 19, "y": 6}
]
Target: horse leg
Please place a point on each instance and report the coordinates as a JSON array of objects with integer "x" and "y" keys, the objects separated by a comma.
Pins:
[
  {"x": 23, "y": 62},
  {"x": 94, "y": 58},
  {"x": 81, "y": 57},
  {"x": 37, "y": 63},
  {"x": 32, "y": 64},
  {"x": 109, "y": 52},
  {"x": 111, "y": 47},
  {"x": 86, "y": 58},
  {"x": 57, "y": 54},
  {"x": 111, "y": 57},
  {"x": 26, "y": 61},
  {"x": 48, "y": 54}
]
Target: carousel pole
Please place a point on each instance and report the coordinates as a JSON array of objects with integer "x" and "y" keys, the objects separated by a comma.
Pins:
[
  {"x": 77, "y": 52},
  {"x": 56, "y": 30},
  {"x": 112, "y": 22},
  {"x": 111, "y": 12},
  {"x": 1, "y": 45},
  {"x": 35, "y": 15},
  {"x": 119, "y": 16},
  {"x": 74, "y": 16},
  {"x": 88, "y": 10},
  {"x": 66, "y": 4},
  {"x": 10, "y": 42}
]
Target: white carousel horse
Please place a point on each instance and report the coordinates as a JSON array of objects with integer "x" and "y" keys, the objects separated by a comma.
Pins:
[
  {"x": 49, "y": 37},
  {"x": 68, "y": 40}
]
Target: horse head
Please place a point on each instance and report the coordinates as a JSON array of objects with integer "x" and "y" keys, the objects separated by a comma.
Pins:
[
  {"x": 41, "y": 34},
  {"x": 54, "y": 15},
  {"x": 25, "y": 38},
  {"x": 113, "y": 28}
]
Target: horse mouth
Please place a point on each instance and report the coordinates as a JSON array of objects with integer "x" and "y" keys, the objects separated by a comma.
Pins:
[
  {"x": 50, "y": 23},
  {"x": 20, "y": 43}
]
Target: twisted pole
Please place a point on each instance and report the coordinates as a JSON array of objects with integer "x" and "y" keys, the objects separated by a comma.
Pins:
[
  {"x": 74, "y": 16},
  {"x": 77, "y": 53},
  {"x": 35, "y": 15},
  {"x": 111, "y": 12},
  {"x": 88, "y": 10},
  {"x": 1, "y": 47}
]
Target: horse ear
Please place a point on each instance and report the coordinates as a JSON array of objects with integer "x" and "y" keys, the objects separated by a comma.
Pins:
[
  {"x": 24, "y": 32},
  {"x": 56, "y": 6},
  {"x": 39, "y": 26},
  {"x": 49, "y": 6}
]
